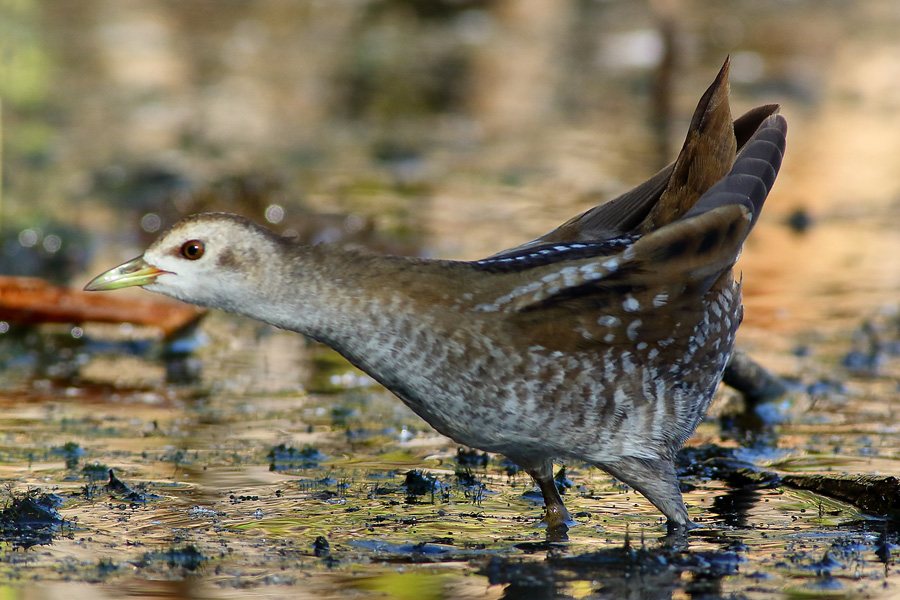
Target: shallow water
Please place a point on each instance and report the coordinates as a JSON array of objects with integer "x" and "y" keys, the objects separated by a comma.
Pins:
[
  {"x": 334, "y": 116},
  {"x": 201, "y": 452}
]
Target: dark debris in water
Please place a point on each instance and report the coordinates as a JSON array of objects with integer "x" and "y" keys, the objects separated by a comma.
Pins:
[
  {"x": 509, "y": 467},
  {"x": 466, "y": 478},
  {"x": 874, "y": 494},
  {"x": 885, "y": 546},
  {"x": 468, "y": 461},
  {"x": 472, "y": 487},
  {"x": 122, "y": 491},
  {"x": 187, "y": 557},
  {"x": 625, "y": 573},
  {"x": 321, "y": 547},
  {"x": 158, "y": 196},
  {"x": 95, "y": 472},
  {"x": 31, "y": 519},
  {"x": 418, "y": 484},
  {"x": 799, "y": 220},
  {"x": 422, "y": 552},
  {"x": 71, "y": 451},
  {"x": 875, "y": 344},
  {"x": 562, "y": 480},
  {"x": 714, "y": 462},
  {"x": 878, "y": 495},
  {"x": 287, "y": 458},
  {"x": 472, "y": 458}
]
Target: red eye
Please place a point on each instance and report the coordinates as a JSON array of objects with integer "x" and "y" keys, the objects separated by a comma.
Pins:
[{"x": 192, "y": 250}]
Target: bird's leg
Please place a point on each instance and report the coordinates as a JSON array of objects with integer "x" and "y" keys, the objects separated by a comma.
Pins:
[
  {"x": 657, "y": 481},
  {"x": 555, "y": 514},
  {"x": 754, "y": 381}
]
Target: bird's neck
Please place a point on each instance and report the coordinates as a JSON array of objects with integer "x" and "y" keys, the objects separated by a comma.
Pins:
[{"x": 345, "y": 298}]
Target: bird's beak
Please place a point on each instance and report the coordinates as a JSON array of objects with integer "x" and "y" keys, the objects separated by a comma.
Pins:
[{"x": 134, "y": 272}]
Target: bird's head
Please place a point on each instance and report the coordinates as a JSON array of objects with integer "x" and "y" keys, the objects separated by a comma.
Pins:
[{"x": 206, "y": 259}]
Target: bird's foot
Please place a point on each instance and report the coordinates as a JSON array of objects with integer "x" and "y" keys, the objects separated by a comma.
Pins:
[
  {"x": 675, "y": 527},
  {"x": 558, "y": 521},
  {"x": 677, "y": 533}
]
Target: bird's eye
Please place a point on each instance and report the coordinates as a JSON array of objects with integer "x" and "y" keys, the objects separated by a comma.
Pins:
[{"x": 192, "y": 250}]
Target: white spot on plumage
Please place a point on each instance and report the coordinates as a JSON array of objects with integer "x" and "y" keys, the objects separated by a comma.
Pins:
[
  {"x": 507, "y": 298},
  {"x": 609, "y": 367},
  {"x": 609, "y": 321},
  {"x": 590, "y": 272},
  {"x": 632, "y": 330},
  {"x": 631, "y": 304},
  {"x": 569, "y": 275},
  {"x": 487, "y": 307}
]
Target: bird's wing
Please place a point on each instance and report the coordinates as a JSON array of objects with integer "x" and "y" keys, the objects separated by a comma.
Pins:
[{"x": 661, "y": 274}]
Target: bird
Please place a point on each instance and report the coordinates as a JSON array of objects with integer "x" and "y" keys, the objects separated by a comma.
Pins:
[{"x": 601, "y": 342}]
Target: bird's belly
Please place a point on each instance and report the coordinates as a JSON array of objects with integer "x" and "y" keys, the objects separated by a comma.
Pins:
[
  {"x": 595, "y": 412},
  {"x": 586, "y": 407},
  {"x": 593, "y": 405}
]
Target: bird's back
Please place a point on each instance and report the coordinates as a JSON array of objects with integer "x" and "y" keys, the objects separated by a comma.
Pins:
[{"x": 602, "y": 347}]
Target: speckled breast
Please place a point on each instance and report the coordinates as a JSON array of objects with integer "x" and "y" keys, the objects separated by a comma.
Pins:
[{"x": 481, "y": 390}]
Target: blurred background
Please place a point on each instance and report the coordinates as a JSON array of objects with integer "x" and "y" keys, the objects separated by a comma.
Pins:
[
  {"x": 442, "y": 128},
  {"x": 450, "y": 128}
]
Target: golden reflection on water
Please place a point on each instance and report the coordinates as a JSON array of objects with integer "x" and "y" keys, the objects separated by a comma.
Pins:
[{"x": 537, "y": 114}]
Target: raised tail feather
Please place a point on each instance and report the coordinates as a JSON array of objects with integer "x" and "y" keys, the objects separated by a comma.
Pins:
[
  {"x": 690, "y": 253},
  {"x": 753, "y": 174},
  {"x": 708, "y": 239},
  {"x": 631, "y": 211}
]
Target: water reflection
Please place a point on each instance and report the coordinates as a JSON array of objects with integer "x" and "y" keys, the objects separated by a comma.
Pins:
[
  {"x": 451, "y": 129},
  {"x": 734, "y": 506}
]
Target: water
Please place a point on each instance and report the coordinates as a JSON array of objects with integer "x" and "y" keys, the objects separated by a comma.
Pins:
[
  {"x": 202, "y": 451},
  {"x": 332, "y": 123}
]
